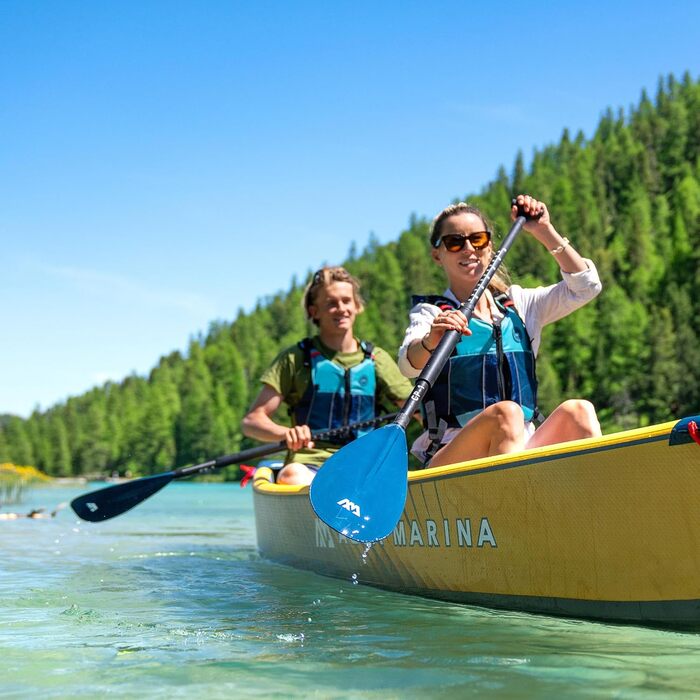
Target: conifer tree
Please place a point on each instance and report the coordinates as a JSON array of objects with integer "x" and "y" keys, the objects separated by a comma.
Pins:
[
  {"x": 20, "y": 446},
  {"x": 198, "y": 410},
  {"x": 58, "y": 435}
]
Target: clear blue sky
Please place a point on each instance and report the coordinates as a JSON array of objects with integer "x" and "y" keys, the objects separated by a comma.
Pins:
[{"x": 163, "y": 164}]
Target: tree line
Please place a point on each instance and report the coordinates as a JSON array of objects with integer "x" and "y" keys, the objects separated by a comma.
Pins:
[{"x": 628, "y": 197}]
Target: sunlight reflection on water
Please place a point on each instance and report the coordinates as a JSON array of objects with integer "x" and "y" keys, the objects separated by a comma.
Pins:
[{"x": 172, "y": 599}]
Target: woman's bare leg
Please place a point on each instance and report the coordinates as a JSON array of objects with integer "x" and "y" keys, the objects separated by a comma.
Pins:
[
  {"x": 295, "y": 474},
  {"x": 572, "y": 420},
  {"x": 498, "y": 429}
]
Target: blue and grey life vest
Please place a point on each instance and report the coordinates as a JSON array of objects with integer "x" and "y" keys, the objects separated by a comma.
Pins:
[
  {"x": 494, "y": 363},
  {"x": 335, "y": 396}
]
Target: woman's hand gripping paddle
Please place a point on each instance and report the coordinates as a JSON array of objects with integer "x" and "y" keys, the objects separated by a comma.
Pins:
[
  {"x": 361, "y": 490},
  {"x": 111, "y": 501}
]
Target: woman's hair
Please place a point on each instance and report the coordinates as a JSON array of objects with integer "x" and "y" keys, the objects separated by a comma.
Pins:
[
  {"x": 325, "y": 277},
  {"x": 500, "y": 282}
]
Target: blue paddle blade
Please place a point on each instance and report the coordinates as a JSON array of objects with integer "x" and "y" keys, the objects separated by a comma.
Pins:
[{"x": 361, "y": 490}]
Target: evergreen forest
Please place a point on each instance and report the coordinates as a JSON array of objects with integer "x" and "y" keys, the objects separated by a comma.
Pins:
[{"x": 628, "y": 197}]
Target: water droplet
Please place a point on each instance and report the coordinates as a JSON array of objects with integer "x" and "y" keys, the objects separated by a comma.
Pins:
[{"x": 354, "y": 579}]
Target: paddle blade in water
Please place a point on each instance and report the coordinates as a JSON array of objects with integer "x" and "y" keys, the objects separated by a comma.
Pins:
[
  {"x": 361, "y": 490},
  {"x": 115, "y": 500}
]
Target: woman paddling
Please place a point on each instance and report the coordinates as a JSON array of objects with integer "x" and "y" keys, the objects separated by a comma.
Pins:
[
  {"x": 485, "y": 400},
  {"x": 327, "y": 381}
]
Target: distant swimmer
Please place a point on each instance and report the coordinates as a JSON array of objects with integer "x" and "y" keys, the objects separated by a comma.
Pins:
[{"x": 35, "y": 514}]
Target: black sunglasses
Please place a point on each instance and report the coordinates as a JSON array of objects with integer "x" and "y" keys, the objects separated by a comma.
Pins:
[{"x": 454, "y": 242}]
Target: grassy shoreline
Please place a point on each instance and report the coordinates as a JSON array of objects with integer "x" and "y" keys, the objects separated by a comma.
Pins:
[{"x": 15, "y": 479}]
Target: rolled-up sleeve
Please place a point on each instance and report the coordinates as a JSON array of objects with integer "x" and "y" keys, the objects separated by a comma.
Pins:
[
  {"x": 421, "y": 319},
  {"x": 542, "y": 305}
]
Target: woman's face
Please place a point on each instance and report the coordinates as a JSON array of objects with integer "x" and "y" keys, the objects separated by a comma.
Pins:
[
  {"x": 467, "y": 265},
  {"x": 334, "y": 308}
]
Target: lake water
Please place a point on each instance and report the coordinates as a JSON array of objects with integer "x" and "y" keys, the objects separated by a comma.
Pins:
[{"x": 171, "y": 600}]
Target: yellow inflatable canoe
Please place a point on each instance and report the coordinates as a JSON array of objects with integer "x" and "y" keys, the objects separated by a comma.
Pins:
[{"x": 606, "y": 528}]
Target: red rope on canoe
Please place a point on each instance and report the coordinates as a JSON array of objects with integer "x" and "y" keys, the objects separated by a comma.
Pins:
[
  {"x": 694, "y": 431},
  {"x": 249, "y": 473}
]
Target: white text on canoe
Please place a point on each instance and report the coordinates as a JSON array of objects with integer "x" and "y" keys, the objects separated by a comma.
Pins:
[{"x": 427, "y": 533}]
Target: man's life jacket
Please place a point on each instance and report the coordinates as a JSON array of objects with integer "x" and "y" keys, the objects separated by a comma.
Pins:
[
  {"x": 494, "y": 363},
  {"x": 335, "y": 396}
]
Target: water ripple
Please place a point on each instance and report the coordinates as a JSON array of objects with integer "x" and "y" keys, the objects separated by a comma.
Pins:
[{"x": 172, "y": 600}]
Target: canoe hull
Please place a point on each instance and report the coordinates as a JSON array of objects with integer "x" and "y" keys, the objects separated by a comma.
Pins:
[{"x": 606, "y": 529}]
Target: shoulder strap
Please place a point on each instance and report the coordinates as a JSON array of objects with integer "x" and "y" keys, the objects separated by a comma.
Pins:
[
  {"x": 306, "y": 344},
  {"x": 507, "y": 304},
  {"x": 503, "y": 300},
  {"x": 435, "y": 300},
  {"x": 367, "y": 349}
]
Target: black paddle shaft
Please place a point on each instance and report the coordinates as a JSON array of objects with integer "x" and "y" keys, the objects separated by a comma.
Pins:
[
  {"x": 451, "y": 338},
  {"x": 111, "y": 501},
  {"x": 264, "y": 450}
]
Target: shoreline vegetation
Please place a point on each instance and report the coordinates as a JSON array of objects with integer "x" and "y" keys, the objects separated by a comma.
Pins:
[
  {"x": 628, "y": 195},
  {"x": 15, "y": 480}
]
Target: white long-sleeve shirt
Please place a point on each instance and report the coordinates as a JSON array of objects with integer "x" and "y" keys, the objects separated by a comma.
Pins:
[{"x": 537, "y": 307}]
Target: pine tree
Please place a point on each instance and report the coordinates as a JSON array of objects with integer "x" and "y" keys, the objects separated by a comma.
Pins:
[
  {"x": 58, "y": 435},
  {"x": 95, "y": 453},
  {"x": 17, "y": 438},
  {"x": 198, "y": 413}
]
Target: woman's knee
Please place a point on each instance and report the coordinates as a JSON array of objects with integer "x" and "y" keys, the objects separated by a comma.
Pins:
[
  {"x": 505, "y": 411},
  {"x": 294, "y": 474},
  {"x": 583, "y": 414},
  {"x": 507, "y": 415}
]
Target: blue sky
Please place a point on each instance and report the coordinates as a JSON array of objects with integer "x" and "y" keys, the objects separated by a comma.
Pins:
[{"x": 163, "y": 164}]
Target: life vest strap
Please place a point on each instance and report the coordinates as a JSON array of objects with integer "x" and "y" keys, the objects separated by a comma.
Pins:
[{"x": 436, "y": 431}]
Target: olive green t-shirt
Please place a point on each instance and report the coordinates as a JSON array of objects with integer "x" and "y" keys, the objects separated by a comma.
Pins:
[{"x": 288, "y": 376}]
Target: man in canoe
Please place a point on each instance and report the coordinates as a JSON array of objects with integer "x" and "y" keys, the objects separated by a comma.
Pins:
[
  {"x": 484, "y": 401},
  {"x": 328, "y": 381}
]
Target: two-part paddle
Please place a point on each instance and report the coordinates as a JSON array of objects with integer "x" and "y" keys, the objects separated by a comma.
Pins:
[
  {"x": 111, "y": 501},
  {"x": 361, "y": 490}
]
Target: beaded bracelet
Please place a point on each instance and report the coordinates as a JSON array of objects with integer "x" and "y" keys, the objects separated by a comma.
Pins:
[{"x": 560, "y": 248}]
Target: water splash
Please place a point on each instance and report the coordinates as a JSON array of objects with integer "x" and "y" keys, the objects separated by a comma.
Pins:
[{"x": 291, "y": 637}]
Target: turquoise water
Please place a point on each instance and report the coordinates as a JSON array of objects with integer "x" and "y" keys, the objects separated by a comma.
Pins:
[{"x": 171, "y": 599}]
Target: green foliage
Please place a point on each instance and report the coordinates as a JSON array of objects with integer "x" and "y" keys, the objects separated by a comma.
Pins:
[{"x": 628, "y": 197}]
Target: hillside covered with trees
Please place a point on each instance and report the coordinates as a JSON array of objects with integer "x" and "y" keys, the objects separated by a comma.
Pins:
[{"x": 628, "y": 197}]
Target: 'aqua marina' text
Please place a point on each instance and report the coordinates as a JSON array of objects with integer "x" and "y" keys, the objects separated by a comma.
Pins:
[{"x": 427, "y": 533}]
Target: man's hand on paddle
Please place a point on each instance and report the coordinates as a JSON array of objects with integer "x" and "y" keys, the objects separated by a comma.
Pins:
[
  {"x": 258, "y": 424},
  {"x": 297, "y": 437}
]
